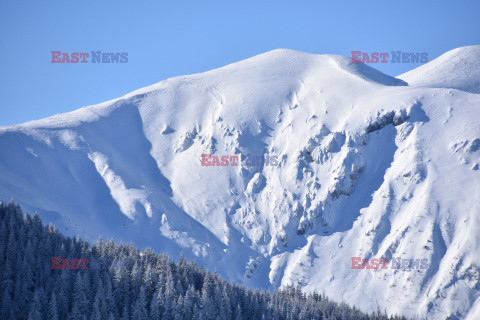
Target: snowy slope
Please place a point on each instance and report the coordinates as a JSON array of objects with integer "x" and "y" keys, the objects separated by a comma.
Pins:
[
  {"x": 457, "y": 69},
  {"x": 368, "y": 167}
]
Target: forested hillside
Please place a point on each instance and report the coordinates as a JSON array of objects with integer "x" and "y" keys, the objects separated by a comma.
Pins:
[{"x": 121, "y": 282}]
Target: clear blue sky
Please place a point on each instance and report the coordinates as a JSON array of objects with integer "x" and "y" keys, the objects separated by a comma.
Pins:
[{"x": 171, "y": 38}]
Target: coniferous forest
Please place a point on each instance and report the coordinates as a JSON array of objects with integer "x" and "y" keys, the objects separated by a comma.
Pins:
[{"x": 42, "y": 279}]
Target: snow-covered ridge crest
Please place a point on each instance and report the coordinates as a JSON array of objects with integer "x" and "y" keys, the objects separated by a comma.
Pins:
[
  {"x": 274, "y": 63},
  {"x": 455, "y": 69},
  {"x": 367, "y": 167}
]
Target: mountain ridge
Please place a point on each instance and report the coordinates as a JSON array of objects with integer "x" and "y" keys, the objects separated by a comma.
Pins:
[{"x": 344, "y": 63}]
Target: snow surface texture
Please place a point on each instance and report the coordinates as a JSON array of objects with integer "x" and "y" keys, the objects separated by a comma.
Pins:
[{"x": 367, "y": 167}]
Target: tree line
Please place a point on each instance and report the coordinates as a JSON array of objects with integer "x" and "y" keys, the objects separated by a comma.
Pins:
[{"x": 122, "y": 282}]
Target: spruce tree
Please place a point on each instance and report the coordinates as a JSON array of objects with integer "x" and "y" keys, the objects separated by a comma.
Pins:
[{"x": 53, "y": 312}]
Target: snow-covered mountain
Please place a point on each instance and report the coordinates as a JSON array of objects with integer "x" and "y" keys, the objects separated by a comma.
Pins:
[{"x": 366, "y": 166}]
